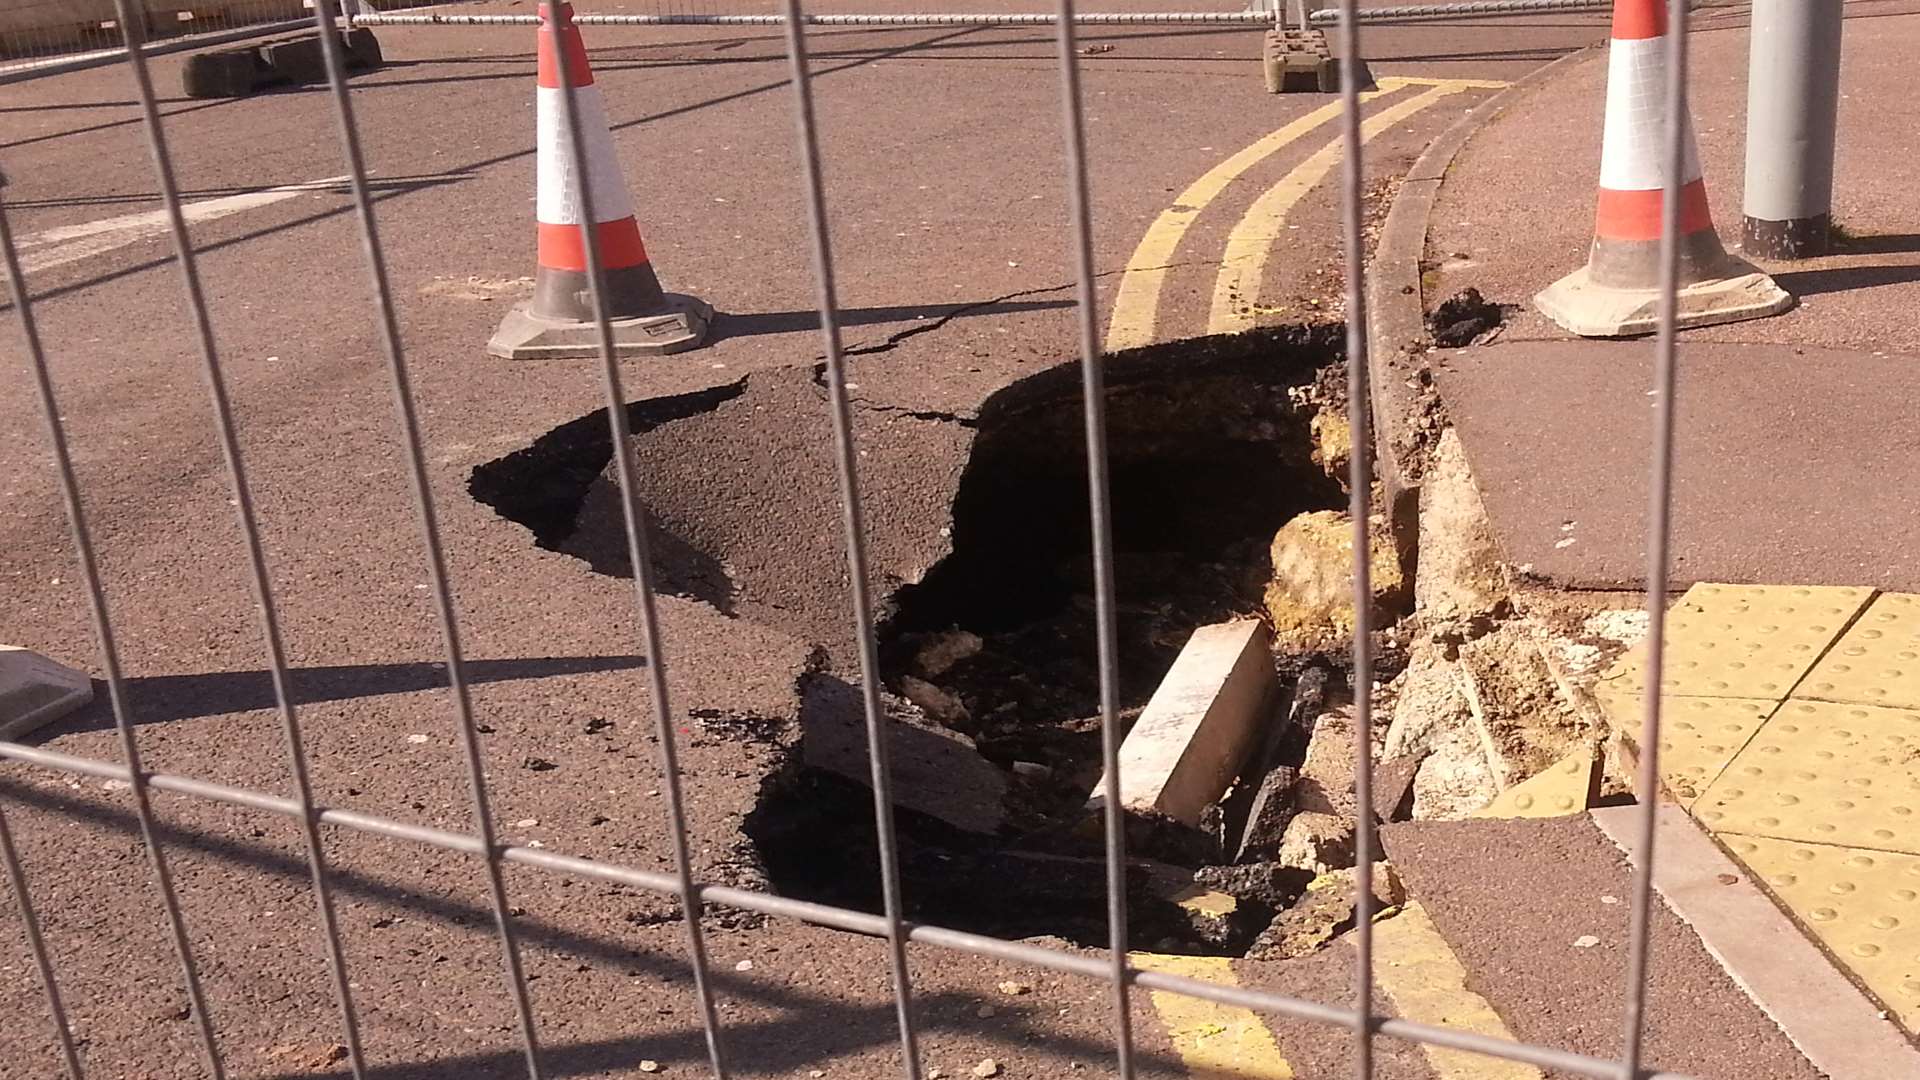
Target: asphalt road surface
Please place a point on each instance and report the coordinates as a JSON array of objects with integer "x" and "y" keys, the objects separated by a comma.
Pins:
[{"x": 944, "y": 175}]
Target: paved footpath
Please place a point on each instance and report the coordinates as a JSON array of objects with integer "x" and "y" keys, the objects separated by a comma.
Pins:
[
  {"x": 1796, "y": 440},
  {"x": 1791, "y": 723},
  {"x": 1792, "y": 735}
]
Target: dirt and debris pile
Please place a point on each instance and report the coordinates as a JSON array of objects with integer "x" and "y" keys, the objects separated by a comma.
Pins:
[{"x": 1463, "y": 317}]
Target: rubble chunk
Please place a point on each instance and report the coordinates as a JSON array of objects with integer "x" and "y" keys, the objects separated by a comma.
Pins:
[
  {"x": 1268, "y": 815},
  {"x": 938, "y": 704},
  {"x": 1324, "y": 912},
  {"x": 1567, "y": 788},
  {"x": 942, "y": 651},
  {"x": 1310, "y": 597},
  {"x": 1461, "y": 318},
  {"x": 1317, "y": 842},
  {"x": 1393, "y": 786},
  {"x": 1460, "y": 567},
  {"x": 936, "y": 771}
]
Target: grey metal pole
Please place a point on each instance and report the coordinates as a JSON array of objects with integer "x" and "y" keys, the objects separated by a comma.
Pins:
[{"x": 1793, "y": 97}]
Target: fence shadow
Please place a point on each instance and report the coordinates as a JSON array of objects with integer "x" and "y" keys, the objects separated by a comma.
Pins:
[
  {"x": 159, "y": 699},
  {"x": 1805, "y": 283},
  {"x": 814, "y": 1028},
  {"x": 753, "y": 324}
]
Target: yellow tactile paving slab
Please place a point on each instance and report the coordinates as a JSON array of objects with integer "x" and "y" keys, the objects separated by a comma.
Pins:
[
  {"x": 1877, "y": 661},
  {"x": 1215, "y": 1042},
  {"x": 1753, "y": 641},
  {"x": 1562, "y": 789},
  {"x": 1699, "y": 736},
  {"x": 1863, "y": 906},
  {"x": 1827, "y": 773}
]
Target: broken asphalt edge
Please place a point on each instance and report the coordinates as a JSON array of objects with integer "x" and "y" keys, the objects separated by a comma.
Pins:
[
  {"x": 1397, "y": 317},
  {"x": 1829, "y": 1019}
]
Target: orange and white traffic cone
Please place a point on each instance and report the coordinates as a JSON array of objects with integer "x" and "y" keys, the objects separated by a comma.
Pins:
[
  {"x": 1617, "y": 294},
  {"x": 558, "y": 321}
]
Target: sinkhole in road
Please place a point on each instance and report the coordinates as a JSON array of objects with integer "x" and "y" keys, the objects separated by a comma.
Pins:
[
  {"x": 979, "y": 544},
  {"x": 1209, "y": 454}
]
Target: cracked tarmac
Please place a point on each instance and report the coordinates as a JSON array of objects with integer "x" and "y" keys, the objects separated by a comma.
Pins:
[{"x": 974, "y": 184}]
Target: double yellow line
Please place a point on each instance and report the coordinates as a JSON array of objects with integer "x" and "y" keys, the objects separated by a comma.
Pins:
[
  {"x": 1413, "y": 965},
  {"x": 1415, "y": 968},
  {"x": 1136, "y": 305}
]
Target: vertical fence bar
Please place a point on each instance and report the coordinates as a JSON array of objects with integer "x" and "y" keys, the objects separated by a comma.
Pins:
[
  {"x": 247, "y": 519},
  {"x": 447, "y": 616},
  {"x": 1100, "y": 513},
  {"x": 1659, "y": 535},
  {"x": 638, "y": 554},
  {"x": 1360, "y": 508},
  {"x": 96, "y": 595},
  {"x": 854, "y": 526},
  {"x": 17, "y": 877}
]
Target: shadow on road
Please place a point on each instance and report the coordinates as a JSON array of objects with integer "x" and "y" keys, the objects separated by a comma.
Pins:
[
  {"x": 160, "y": 699},
  {"x": 813, "y": 1030},
  {"x": 732, "y": 325},
  {"x": 1805, "y": 283}
]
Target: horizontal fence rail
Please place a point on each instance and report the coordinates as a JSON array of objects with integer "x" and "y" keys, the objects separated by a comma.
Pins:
[
  {"x": 1359, "y": 1017},
  {"x": 857, "y": 922},
  {"x": 1324, "y": 17}
]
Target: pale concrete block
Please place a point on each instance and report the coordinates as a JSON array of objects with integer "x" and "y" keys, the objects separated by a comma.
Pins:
[
  {"x": 1200, "y": 724},
  {"x": 1317, "y": 842},
  {"x": 35, "y": 691}
]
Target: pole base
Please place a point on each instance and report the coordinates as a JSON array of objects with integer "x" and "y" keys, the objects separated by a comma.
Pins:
[
  {"x": 526, "y": 336},
  {"x": 1795, "y": 238},
  {"x": 1597, "y": 311},
  {"x": 35, "y": 690}
]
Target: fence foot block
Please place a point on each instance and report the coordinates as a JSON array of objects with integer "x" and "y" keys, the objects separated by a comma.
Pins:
[
  {"x": 1299, "y": 62},
  {"x": 36, "y": 690},
  {"x": 237, "y": 72}
]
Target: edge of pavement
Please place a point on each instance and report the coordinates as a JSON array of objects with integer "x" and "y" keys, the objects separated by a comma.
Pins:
[
  {"x": 1396, "y": 308},
  {"x": 1839, "y": 1029},
  {"x": 1757, "y": 944}
]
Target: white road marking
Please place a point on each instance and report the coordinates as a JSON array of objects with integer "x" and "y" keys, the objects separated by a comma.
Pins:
[{"x": 71, "y": 243}]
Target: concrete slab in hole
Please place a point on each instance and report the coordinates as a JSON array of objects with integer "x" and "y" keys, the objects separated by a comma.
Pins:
[
  {"x": 1195, "y": 732},
  {"x": 35, "y": 690}
]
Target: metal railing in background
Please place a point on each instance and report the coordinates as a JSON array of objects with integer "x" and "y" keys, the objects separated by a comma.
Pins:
[
  {"x": 482, "y": 841},
  {"x": 48, "y": 37},
  {"x": 462, "y": 15}
]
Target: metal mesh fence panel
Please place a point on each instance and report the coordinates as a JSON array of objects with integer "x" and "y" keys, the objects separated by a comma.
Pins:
[{"x": 1358, "y": 1017}]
